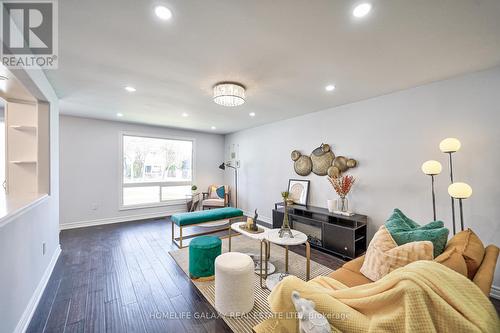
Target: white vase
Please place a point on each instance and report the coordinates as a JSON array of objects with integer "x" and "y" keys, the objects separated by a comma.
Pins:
[{"x": 331, "y": 204}]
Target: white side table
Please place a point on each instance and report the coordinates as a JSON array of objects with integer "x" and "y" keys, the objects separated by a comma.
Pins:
[
  {"x": 236, "y": 227},
  {"x": 272, "y": 236},
  {"x": 257, "y": 236}
]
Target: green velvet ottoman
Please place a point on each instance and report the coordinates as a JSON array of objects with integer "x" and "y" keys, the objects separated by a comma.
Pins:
[{"x": 202, "y": 253}]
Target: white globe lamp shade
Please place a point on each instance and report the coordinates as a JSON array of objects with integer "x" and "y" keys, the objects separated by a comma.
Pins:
[
  {"x": 460, "y": 190},
  {"x": 450, "y": 145},
  {"x": 432, "y": 168}
]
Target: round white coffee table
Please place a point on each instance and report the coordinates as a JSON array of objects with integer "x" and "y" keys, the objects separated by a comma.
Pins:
[{"x": 272, "y": 236}]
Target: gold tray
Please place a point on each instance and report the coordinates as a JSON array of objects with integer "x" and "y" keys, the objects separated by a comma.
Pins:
[{"x": 244, "y": 227}]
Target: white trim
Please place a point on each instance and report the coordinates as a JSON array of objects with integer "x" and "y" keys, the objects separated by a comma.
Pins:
[
  {"x": 119, "y": 219},
  {"x": 264, "y": 219},
  {"x": 166, "y": 203},
  {"x": 23, "y": 323},
  {"x": 495, "y": 292},
  {"x": 31, "y": 203}
]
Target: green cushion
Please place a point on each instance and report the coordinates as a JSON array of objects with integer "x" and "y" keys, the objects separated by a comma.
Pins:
[
  {"x": 404, "y": 230},
  {"x": 202, "y": 253},
  {"x": 206, "y": 216},
  {"x": 221, "y": 191}
]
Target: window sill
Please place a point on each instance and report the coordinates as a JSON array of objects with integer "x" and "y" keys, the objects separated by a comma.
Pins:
[
  {"x": 155, "y": 205},
  {"x": 12, "y": 206}
]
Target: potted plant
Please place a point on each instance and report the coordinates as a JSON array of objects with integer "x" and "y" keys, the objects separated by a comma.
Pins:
[
  {"x": 342, "y": 185},
  {"x": 194, "y": 188}
]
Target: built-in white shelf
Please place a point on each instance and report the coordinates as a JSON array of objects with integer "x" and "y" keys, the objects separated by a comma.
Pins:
[
  {"x": 23, "y": 162},
  {"x": 27, "y": 151},
  {"x": 23, "y": 127}
]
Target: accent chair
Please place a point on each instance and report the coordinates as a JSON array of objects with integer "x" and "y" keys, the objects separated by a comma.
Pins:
[{"x": 214, "y": 198}]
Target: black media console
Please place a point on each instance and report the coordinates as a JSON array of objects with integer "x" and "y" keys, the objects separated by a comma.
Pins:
[{"x": 344, "y": 236}]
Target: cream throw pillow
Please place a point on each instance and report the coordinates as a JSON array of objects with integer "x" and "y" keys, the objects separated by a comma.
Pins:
[
  {"x": 213, "y": 192},
  {"x": 384, "y": 255}
]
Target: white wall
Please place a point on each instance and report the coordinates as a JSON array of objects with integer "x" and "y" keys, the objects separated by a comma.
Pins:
[
  {"x": 390, "y": 136},
  {"x": 24, "y": 270},
  {"x": 90, "y": 169}
]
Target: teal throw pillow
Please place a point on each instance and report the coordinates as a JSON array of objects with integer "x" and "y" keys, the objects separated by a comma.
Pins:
[
  {"x": 221, "y": 191},
  {"x": 404, "y": 230}
]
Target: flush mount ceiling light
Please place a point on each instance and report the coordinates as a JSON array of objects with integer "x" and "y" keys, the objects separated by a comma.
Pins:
[
  {"x": 213, "y": 128},
  {"x": 330, "y": 87},
  {"x": 252, "y": 114},
  {"x": 362, "y": 10},
  {"x": 130, "y": 89},
  {"x": 184, "y": 114},
  {"x": 119, "y": 114},
  {"x": 229, "y": 94},
  {"x": 163, "y": 13}
]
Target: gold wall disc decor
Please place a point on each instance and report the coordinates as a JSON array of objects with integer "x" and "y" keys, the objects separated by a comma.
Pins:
[
  {"x": 295, "y": 155},
  {"x": 303, "y": 165},
  {"x": 321, "y": 162},
  {"x": 341, "y": 163},
  {"x": 333, "y": 172},
  {"x": 352, "y": 163}
]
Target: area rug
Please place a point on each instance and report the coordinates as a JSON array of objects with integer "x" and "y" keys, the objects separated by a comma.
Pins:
[{"x": 261, "y": 310}]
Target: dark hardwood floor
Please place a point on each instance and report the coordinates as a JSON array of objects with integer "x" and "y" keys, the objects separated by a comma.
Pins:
[{"x": 120, "y": 278}]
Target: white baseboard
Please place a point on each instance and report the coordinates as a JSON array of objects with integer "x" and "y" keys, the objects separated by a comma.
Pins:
[
  {"x": 23, "y": 323},
  {"x": 261, "y": 218},
  {"x": 495, "y": 292},
  {"x": 118, "y": 219}
]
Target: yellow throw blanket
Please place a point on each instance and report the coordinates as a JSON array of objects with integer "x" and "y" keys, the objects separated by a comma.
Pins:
[{"x": 423, "y": 296}]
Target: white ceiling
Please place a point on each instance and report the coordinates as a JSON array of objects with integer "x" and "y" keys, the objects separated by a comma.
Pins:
[
  {"x": 11, "y": 89},
  {"x": 284, "y": 51}
]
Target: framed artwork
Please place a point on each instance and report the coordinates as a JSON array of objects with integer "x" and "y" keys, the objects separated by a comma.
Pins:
[{"x": 299, "y": 191}]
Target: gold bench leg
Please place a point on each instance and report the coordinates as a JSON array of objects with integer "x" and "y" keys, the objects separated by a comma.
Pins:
[
  {"x": 180, "y": 236},
  {"x": 173, "y": 235}
]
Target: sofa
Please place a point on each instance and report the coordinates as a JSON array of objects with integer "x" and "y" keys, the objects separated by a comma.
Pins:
[
  {"x": 464, "y": 253},
  {"x": 435, "y": 303}
]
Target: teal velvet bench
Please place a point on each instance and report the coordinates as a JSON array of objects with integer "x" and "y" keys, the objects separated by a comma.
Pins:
[
  {"x": 193, "y": 219},
  {"x": 202, "y": 253}
]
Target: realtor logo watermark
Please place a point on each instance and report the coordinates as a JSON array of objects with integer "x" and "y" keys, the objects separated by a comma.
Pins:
[{"x": 29, "y": 34}]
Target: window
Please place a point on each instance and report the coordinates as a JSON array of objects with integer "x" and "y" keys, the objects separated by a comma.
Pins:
[{"x": 156, "y": 171}]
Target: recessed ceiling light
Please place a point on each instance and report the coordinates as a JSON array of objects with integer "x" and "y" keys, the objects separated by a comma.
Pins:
[
  {"x": 163, "y": 13},
  {"x": 362, "y": 10},
  {"x": 119, "y": 114},
  {"x": 252, "y": 114},
  {"x": 213, "y": 128},
  {"x": 330, "y": 87},
  {"x": 130, "y": 89},
  {"x": 184, "y": 114}
]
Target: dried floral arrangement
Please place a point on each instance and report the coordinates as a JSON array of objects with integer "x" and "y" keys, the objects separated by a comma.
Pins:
[{"x": 342, "y": 185}]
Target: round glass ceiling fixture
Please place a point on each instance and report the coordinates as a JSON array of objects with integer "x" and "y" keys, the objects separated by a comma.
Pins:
[{"x": 229, "y": 94}]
